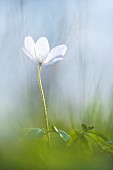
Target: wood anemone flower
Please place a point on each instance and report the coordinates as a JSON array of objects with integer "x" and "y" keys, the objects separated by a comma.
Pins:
[{"x": 40, "y": 52}]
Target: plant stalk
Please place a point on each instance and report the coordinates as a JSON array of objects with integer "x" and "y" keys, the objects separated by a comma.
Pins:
[{"x": 43, "y": 103}]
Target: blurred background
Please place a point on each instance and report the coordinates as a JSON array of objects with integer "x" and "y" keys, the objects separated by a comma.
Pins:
[{"x": 72, "y": 87}]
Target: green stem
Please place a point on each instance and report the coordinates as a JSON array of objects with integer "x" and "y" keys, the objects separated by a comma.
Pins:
[{"x": 44, "y": 103}]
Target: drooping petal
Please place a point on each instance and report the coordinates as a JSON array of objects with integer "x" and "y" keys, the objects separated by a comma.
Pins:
[
  {"x": 42, "y": 48},
  {"x": 59, "y": 50},
  {"x": 53, "y": 61},
  {"x": 30, "y": 45},
  {"x": 29, "y": 55}
]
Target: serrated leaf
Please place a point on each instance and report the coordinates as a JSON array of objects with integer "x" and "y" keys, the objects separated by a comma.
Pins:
[{"x": 62, "y": 134}]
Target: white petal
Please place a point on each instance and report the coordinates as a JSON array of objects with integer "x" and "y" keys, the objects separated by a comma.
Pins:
[
  {"x": 42, "y": 48},
  {"x": 53, "y": 61},
  {"x": 59, "y": 50},
  {"x": 29, "y": 55},
  {"x": 30, "y": 45}
]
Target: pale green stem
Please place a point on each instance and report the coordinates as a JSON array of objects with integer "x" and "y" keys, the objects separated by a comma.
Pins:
[{"x": 44, "y": 103}]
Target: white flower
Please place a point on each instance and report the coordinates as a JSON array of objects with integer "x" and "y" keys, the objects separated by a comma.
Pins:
[{"x": 39, "y": 52}]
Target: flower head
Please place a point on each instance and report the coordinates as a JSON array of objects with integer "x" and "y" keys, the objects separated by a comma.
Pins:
[{"x": 40, "y": 52}]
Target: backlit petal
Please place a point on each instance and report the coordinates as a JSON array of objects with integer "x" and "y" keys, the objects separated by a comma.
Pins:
[
  {"x": 42, "y": 48},
  {"x": 56, "y": 52},
  {"x": 29, "y": 55},
  {"x": 53, "y": 61},
  {"x": 30, "y": 45}
]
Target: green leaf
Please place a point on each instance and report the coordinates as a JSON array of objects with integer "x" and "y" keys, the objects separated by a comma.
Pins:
[
  {"x": 74, "y": 137},
  {"x": 106, "y": 148},
  {"x": 32, "y": 133},
  {"x": 90, "y": 127},
  {"x": 62, "y": 134},
  {"x": 75, "y": 134},
  {"x": 85, "y": 127},
  {"x": 100, "y": 135},
  {"x": 101, "y": 140}
]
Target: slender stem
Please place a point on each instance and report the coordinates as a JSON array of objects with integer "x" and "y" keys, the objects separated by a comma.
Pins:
[{"x": 44, "y": 103}]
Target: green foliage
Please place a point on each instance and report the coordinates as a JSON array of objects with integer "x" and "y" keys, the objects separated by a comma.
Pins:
[
  {"x": 80, "y": 149},
  {"x": 62, "y": 134},
  {"x": 33, "y": 133},
  {"x": 86, "y": 128},
  {"x": 89, "y": 134}
]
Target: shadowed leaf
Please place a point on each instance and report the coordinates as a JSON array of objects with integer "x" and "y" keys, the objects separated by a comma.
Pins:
[{"x": 33, "y": 133}]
